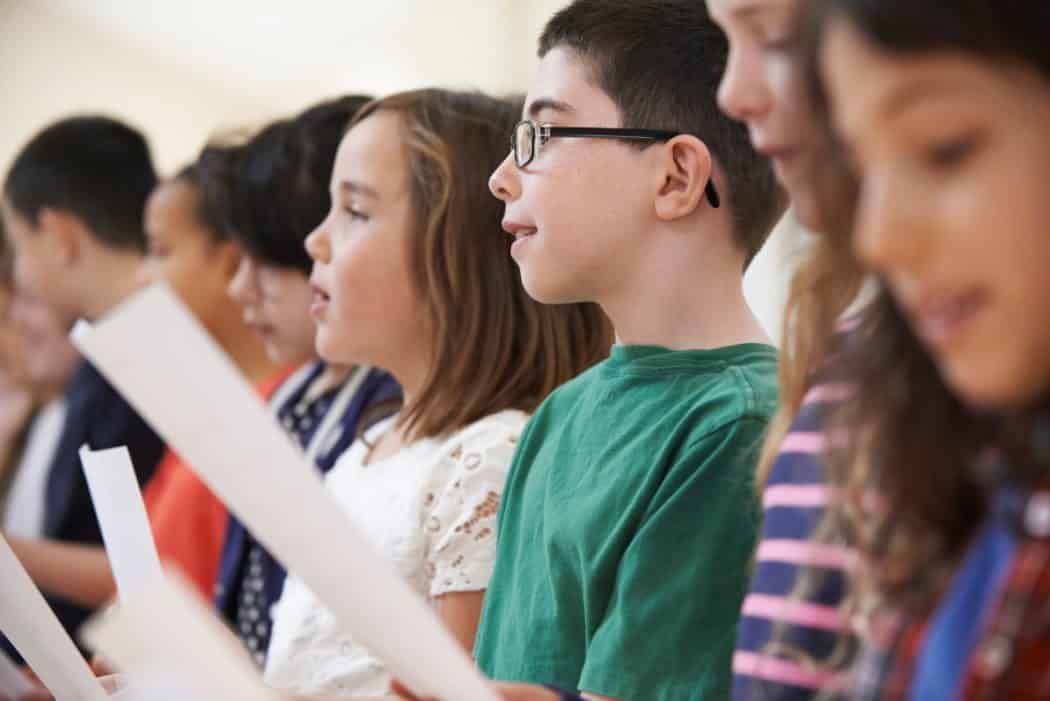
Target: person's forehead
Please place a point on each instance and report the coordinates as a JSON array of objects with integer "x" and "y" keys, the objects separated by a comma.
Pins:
[
  {"x": 893, "y": 85},
  {"x": 376, "y": 139},
  {"x": 564, "y": 85}
]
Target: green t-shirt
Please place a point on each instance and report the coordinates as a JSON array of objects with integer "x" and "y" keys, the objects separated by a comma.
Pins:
[{"x": 627, "y": 526}]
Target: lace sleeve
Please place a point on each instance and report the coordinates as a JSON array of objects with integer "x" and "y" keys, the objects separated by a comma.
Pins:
[{"x": 460, "y": 516}]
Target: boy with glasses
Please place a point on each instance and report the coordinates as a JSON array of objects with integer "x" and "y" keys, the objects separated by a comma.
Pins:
[{"x": 629, "y": 516}]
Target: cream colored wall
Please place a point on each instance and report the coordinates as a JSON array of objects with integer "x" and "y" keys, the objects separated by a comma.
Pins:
[
  {"x": 181, "y": 79},
  {"x": 55, "y": 66},
  {"x": 535, "y": 15}
]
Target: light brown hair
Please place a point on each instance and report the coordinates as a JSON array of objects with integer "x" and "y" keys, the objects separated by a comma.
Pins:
[
  {"x": 493, "y": 347},
  {"x": 827, "y": 284},
  {"x": 828, "y": 280}
]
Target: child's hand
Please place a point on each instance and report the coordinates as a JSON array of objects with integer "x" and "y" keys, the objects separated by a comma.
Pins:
[
  {"x": 509, "y": 692},
  {"x": 110, "y": 684},
  {"x": 101, "y": 666}
]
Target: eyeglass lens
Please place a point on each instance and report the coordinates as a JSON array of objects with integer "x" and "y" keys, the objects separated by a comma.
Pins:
[{"x": 524, "y": 142}]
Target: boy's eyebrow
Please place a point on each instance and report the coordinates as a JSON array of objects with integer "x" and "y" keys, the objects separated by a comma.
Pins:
[{"x": 546, "y": 103}]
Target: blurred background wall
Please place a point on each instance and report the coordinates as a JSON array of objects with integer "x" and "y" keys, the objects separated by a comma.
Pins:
[{"x": 185, "y": 70}]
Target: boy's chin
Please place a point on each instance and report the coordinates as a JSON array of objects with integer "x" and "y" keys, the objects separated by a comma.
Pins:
[{"x": 550, "y": 292}]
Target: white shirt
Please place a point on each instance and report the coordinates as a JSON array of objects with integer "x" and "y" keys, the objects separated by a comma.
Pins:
[
  {"x": 431, "y": 508},
  {"x": 26, "y": 501}
]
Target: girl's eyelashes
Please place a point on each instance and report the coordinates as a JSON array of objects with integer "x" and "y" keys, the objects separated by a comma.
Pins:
[{"x": 355, "y": 214}]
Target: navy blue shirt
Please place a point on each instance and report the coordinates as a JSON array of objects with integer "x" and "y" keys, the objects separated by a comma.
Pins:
[
  {"x": 96, "y": 416},
  {"x": 250, "y": 579}
]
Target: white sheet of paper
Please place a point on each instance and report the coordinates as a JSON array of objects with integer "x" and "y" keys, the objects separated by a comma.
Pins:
[
  {"x": 13, "y": 681},
  {"x": 159, "y": 357},
  {"x": 170, "y": 646},
  {"x": 122, "y": 518},
  {"x": 31, "y": 626}
]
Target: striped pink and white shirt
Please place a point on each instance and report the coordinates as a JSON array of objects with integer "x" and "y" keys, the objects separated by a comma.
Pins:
[{"x": 794, "y": 500}]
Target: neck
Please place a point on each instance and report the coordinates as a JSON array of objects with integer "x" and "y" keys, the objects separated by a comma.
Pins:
[
  {"x": 680, "y": 298},
  {"x": 411, "y": 373},
  {"x": 118, "y": 272}
]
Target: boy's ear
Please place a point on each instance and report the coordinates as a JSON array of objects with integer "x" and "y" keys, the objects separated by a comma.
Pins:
[
  {"x": 66, "y": 234},
  {"x": 687, "y": 167}
]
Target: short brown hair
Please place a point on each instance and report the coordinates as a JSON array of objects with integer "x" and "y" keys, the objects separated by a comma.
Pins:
[
  {"x": 494, "y": 348},
  {"x": 660, "y": 61}
]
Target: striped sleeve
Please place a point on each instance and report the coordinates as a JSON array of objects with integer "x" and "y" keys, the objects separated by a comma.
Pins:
[{"x": 806, "y": 629}]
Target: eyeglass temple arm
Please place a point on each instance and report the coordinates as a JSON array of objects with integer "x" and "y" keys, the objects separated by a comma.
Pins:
[{"x": 547, "y": 131}]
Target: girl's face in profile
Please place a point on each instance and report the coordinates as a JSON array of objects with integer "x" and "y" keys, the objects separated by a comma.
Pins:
[
  {"x": 761, "y": 87},
  {"x": 953, "y": 156},
  {"x": 365, "y": 303},
  {"x": 182, "y": 252}
]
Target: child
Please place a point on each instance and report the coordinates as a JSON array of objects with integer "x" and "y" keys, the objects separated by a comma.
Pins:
[
  {"x": 17, "y": 400},
  {"x": 279, "y": 185},
  {"x": 411, "y": 272},
  {"x": 72, "y": 207},
  {"x": 41, "y": 361},
  {"x": 790, "y": 630},
  {"x": 629, "y": 517},
  {"x": 190, "y": 250},
  {"x": 946, "y": 433}
]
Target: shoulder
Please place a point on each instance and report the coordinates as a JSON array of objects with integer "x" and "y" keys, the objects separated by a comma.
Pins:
[
  {"x": 97, "y": 408},
  {"x": 741, "y": 396},
  {"x": 474, "y": 460},
  {"x": 495, "y": 430},
  {"x": 570, "y": 392},
  {"x": 576, "y": 394},
  {"x": 800, "y": 455},
  {"x": 750, "y": 381},
  {"x": 89, "y": 387}
]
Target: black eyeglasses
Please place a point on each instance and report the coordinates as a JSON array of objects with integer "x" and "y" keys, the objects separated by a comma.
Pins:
[{"x": 528, "y": 137}]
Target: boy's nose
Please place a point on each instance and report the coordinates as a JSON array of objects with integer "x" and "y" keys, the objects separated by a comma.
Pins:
[{"x": 503, "y": 183}]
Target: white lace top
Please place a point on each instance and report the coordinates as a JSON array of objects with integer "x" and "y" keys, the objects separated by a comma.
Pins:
[{"x": 431, "y": 508}]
